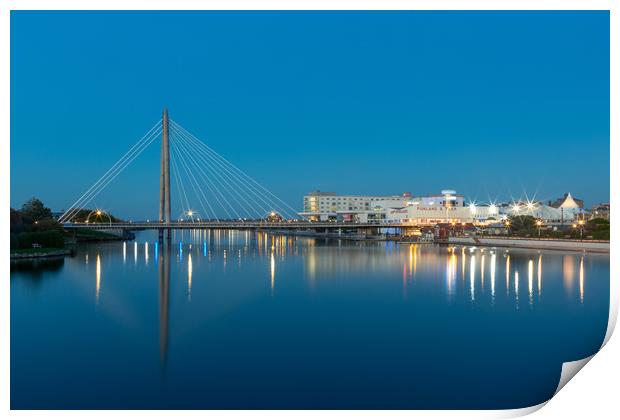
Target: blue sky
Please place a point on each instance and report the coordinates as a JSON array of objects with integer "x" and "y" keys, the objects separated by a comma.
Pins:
[{"x": 493, "y": 104}]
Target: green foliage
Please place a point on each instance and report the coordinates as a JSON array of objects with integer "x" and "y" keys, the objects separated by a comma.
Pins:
[
  {"x": 47, "y": 239},
  {"x": 598, "y": 221},
  {"x": 602, "y": 235},
  {"x": 523, "y": 225},
  {"x": 33, "y": 217},
  {"x": 598, "y": 229},
  {"x": 35, "y": 210},
  {"x": 17, "y": 221},
  {"x": 84, "y": 233},
  {"x": 47, "y": 224},
  {"x": 34, "y": 251}
]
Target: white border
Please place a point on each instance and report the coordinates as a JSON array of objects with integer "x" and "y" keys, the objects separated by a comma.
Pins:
[{"x": 597, "y": 385}]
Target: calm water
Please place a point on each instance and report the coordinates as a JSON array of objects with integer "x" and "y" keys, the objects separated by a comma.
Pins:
[{"x": 244, "y": 320}]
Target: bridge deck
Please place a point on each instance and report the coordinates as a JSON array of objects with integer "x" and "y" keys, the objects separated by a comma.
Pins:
[{"x": 230, "y": 225}]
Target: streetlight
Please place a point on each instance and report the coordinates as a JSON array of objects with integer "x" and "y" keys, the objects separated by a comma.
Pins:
[
  {"x": 581, "y": 222},
  {"x": 539, "y": 224},
  {"x": 530, "y": 206}
]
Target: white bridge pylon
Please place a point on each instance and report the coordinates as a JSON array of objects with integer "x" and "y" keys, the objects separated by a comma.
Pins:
[{"x": 208, "y": 187}]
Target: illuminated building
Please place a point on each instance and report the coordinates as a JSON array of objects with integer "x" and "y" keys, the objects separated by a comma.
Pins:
[{"x": 323, "y": 206}]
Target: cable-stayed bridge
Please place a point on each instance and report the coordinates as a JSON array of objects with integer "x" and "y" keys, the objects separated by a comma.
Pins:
[{"x": 210, "y": 191}]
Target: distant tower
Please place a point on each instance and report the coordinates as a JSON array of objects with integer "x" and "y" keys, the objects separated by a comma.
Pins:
[{"x": 164, "y": 181}]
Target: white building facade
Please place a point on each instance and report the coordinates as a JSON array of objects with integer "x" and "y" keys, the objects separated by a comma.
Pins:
[
  {"x": 424, "y": 210},
  {"x": 323, "y": 206},
  {"x": 405, "y": 209}
]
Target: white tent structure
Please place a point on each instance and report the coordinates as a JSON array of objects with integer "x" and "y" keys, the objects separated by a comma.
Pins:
[
  {"x": 552, "y": 214},
  {"x": 570, "y": 208},
  {"x": 569, "y": 203},
  {"x": 547, "y": 213}
]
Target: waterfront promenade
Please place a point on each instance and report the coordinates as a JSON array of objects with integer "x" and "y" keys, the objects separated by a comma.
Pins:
[{"x": 532, "y": 243}]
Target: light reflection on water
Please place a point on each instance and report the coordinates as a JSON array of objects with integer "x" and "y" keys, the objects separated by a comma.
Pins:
[
  {"x": 530, "y": 279},
  {"x": 321, "y": 292},
  {"x": 189, "y": 277},
  {"x": 493, "y": 257},
  {"x": 581, "y": 279},
  {"x": 539, "y": 275},
  {"x": 346, "y": 260},
  {"x": 98, "y": 279},
  {"x": 277, "y": 248}
]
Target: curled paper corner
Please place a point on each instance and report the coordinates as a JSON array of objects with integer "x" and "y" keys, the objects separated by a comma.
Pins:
[
  {"x": 614, "y": 303},
  {"x": 613, "y": 313},
  {"x": 569, "y": 370},
  {"x": 519, "y": 412}
]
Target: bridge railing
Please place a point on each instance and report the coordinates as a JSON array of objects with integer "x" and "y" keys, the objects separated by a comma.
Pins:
[{"x": 235, "y": 223}]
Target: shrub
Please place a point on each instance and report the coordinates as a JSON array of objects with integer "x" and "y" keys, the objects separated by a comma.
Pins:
[
  {"x": 601, "y": 234},
  {"x": 47, "y": 239}
]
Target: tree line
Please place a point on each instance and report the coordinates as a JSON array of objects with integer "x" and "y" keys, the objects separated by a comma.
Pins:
[
  {"x": 34, "y": 224},
  {"x": 592, "y": 229}
]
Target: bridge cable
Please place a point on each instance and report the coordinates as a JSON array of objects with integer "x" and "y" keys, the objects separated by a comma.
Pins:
[
  {"x": 190, "y": 168},
  {"x": 176, "y": 155},
  {"x": 237, "y": 170},
  {"x": 232, "y": 169},
  {"x": 190, "y": 157},
  {"x": 180, "y": 187},
  {"x": 235, "y": 180},
  {"x": 251, "y": 191},
  {"x": 192, "y": 180},
  {"x": 96, "y": 192},
  {"x": 237, "y": 197},
  {"x": 221, "y": 179},
  {"x": 114, "y": 167},
  {"x": 218, "y": 156},
  {"x": 195, "y": 185},
  {"x": 110, "y": 175},
  {"x": 88, "y": 197}
]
